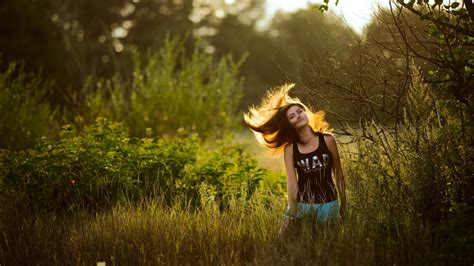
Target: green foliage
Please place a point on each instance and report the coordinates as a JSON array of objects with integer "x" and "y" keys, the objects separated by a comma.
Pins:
[
  {"x": 24, "y": 114},
  {"x": 324, "y": 6},
  {"x": 226, "y": 167},
  {"x": 53, "y": 30},
  {"x": 450, "y": 58},
  {"x": 172, "y": 91},
  {"x": 102, "y": 166},
  {"x": 415, "y": 171}
]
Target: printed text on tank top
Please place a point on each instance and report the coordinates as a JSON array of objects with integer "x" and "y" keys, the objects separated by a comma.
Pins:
[
  {"x": 312, "y": 163},
  {"x": 314, "y": 177}
]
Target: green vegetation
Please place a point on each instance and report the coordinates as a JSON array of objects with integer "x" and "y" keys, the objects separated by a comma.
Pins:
[
  {"x": 103, "y": 166},
  {"x": 170, "y": 91},
  {"x": 147, "y": 168},
  {"x": 179, "y": 200},
  {"x": 244, "y": 233},
  {"x": 24, "y": 114},
  {"x": 416, "y": 175}
]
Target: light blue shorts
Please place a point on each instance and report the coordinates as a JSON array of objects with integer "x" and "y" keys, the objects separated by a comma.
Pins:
[{"x": 328, "y": 211}]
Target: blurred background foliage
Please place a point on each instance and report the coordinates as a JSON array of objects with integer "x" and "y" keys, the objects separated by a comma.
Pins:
[
  {"x": 170, "y": 92},
  {"x": 24, "y": 110},
  {"x": 78, "y": 41}
]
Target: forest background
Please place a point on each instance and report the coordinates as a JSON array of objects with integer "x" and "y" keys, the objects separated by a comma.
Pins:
[{"x": 122, "y": 136}]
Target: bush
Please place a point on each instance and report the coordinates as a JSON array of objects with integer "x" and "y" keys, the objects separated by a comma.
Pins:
[
  {"x": 417, "y": 170},
  {"x": 24, "y": 115},
  {"x": 171, "y": 90},
  {"x": 226, "y": 168},
  {"x": 103, "y": 166}
]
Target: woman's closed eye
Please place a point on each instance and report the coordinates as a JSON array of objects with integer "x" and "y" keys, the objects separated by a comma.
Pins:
[{"x": 293, "y": 115}]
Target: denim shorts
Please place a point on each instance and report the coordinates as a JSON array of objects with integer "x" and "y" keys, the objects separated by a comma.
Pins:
[{"x": 328, "y": 211}]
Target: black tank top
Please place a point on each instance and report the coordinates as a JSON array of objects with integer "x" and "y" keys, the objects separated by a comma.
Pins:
[{"x": 315, "y": 184}]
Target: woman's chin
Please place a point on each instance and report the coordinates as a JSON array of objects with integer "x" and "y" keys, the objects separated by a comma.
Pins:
[{"x": 300, "y": 125}]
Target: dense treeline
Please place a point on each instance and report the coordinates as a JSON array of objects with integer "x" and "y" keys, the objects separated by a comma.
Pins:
[{"x": 73, "y": 42}]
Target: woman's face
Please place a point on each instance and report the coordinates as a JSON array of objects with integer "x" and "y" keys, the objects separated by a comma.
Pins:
[{"x": 297, "y": 116}]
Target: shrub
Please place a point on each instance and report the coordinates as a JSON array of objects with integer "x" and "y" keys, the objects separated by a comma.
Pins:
[
  {"x": 226, "y": 168},
  {"x": 24, "y": 114},
  {"x": 417, "y": 169},
  {"x": 171, "y": 90},
  {"x": 102, "y": 166}
]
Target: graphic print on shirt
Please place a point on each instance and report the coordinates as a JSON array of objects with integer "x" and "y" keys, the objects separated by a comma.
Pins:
[{"x": 313, "y": 164}]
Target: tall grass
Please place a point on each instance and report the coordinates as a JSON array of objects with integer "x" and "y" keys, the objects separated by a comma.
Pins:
[{"x": 148, "y": 233}]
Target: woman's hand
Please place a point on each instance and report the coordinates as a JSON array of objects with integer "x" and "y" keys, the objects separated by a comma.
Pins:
[{"x": 289, "y": 227}]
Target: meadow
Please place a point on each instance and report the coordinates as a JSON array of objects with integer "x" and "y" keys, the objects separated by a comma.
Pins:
[
  {"x": 152, "y": 168},
  {"x": 246, "y": 232},
  {"x": 206, "y": 224}
]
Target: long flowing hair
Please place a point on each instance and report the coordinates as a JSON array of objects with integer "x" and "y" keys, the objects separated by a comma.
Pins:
[{"x": 269, "y": 122}]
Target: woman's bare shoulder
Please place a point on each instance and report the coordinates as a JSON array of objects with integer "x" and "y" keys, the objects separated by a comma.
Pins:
[{"x": 329, "y": 139}]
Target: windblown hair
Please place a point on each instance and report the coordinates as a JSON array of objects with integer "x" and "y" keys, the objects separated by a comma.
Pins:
[{"x": 269, "y": 122}]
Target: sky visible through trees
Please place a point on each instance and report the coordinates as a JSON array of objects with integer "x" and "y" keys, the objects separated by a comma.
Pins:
[{"x": 356, "y": 13}]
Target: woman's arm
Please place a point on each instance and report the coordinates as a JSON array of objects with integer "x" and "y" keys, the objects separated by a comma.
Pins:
[
  {"x": 292, "y": 184},
  {"x": 341, "y": 187}
]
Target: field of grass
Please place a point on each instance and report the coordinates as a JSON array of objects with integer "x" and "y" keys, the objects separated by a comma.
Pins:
[{"x": 245, "y": 233}]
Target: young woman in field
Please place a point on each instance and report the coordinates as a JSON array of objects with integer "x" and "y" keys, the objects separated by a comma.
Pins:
[{"x": 285, "y": 125}]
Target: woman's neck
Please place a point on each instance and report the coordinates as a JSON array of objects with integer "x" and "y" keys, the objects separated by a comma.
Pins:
[{"x": 305, "y": 134}]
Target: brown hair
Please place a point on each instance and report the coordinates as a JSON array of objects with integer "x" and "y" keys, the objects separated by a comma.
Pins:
[{"x": 269, "y": 122}]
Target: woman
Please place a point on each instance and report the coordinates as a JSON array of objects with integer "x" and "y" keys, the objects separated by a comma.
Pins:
[{"x": 287, "y": 126}]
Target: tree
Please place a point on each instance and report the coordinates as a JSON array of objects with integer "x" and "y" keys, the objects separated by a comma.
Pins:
[
  {"x": 77, "y": 43},
  {"x": 29, "y": 35},
  {"x": 451, "y": 26},
  {"x": 413, "y": 89},
  {"x": 311, "y": 45}
]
